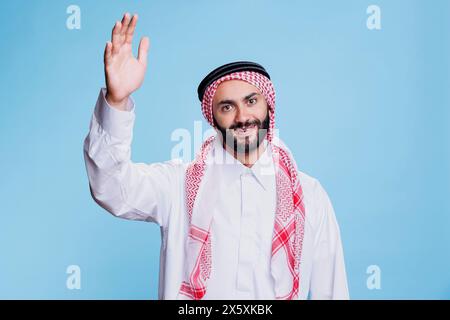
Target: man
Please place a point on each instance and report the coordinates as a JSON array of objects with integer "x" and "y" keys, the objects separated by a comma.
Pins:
[{"x": 240, "y": 221}]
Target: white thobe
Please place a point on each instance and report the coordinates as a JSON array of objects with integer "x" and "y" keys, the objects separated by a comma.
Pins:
[{"x": 244, "y": 212}]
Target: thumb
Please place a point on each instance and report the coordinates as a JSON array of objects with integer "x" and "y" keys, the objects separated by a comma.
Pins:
[
  {"x": 107, "y": 54},
  {"x": 143, "y": 50}
]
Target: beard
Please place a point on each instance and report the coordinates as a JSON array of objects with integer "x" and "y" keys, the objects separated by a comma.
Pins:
[{"x": 248, "y": 144}]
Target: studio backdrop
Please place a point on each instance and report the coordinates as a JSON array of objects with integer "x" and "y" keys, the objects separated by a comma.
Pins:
[{"x": 362, "y": 101}]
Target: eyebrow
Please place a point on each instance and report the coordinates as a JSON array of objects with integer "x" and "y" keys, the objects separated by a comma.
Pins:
[{"x": 229, "y": 101}]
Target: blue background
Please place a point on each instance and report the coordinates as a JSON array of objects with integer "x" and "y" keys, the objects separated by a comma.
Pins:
[{"x": 365, "y": 112}]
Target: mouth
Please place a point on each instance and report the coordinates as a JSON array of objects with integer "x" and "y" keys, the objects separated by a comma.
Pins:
[{"x": 245, "y": 131}]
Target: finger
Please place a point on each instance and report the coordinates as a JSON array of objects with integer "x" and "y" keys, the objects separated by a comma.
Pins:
[
  {"x": 125, "y": 22},
  {"x": 108, "y": 53},
  {"x": 143, "y": 50},
  {"x": 116, "y": 41},
  {"x": 130, "y": 30}
]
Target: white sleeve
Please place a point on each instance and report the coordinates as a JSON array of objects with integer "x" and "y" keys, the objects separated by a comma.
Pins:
[
  {"x": 328, "y": 276},
  {"x": 134, "y": 191}
]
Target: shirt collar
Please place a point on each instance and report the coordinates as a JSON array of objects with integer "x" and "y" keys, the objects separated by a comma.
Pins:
[{"x": 262, "y": 169}]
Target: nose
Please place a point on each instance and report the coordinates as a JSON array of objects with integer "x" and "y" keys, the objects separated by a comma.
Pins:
[{"x": 242, "y": 114}]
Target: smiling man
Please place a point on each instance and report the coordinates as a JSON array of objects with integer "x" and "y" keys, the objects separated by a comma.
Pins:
[
  {"x": 242, "y": 129},
  {"x": 240, "y": 221}
]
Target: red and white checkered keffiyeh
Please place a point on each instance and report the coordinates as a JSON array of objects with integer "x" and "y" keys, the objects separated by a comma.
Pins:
[{"x": 288, "y": 231}]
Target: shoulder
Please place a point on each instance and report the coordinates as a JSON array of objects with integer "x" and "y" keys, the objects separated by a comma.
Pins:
[
  {"x": 316, "y": 200},
  {"x": 311, "y": 186}
]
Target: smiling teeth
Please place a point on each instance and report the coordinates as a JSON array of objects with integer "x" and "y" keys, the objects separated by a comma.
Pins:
[{"x": 244, "y": 129}]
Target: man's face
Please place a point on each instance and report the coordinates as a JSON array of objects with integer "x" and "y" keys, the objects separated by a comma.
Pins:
[{"x": 241, "y": 114}]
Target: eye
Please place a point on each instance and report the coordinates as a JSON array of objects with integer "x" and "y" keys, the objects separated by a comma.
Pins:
[
  {"x": 252, "y": 100},
  {"x": 227, "y": 107}
]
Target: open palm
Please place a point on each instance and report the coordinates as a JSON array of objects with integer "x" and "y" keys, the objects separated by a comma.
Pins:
[{"x": 123, "y": 72}]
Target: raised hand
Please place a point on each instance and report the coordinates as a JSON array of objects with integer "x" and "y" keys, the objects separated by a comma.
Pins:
[{"x": 124, "y": 73}]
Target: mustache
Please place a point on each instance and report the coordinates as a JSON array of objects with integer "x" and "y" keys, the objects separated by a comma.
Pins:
[{"x": 245, "y": 124}]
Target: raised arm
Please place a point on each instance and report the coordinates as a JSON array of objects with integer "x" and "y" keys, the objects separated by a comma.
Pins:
[{"x": 135, "y": 191}]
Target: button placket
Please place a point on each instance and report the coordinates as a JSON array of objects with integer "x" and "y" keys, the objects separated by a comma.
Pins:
[{"x": 247, "y": 247}]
